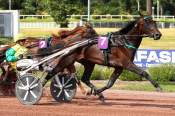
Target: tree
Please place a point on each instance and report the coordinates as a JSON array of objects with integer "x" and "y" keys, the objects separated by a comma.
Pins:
[
  {"x": 17, "y": 4},
  {"x": 33, "y": 7},
  {"x": 60, "y": 9},
  {"x": 149, "y": 6},
  {"x": 4, "y": 4},
  {"x": 167, "y": 7},
  {"x": 29, "y": 7}
]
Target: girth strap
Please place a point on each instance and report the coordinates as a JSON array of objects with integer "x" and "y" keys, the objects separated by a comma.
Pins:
[
  {"x": 106, "y": 57},
  {"x": 107, "y": 51}
]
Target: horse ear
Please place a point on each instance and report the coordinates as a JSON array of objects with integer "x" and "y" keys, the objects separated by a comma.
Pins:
[{"x": 140, "y": 14}]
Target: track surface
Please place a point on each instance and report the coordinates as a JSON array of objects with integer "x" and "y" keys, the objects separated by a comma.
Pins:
[{"x": 121, "y": 103}]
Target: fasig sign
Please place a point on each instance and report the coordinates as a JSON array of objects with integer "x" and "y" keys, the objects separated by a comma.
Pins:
[{"x": 146, "y": 58}]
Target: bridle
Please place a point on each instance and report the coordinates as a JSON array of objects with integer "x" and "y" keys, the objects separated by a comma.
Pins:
[
  {"x": 125, "y": 37},
  {"x": 140, "y": 28}
]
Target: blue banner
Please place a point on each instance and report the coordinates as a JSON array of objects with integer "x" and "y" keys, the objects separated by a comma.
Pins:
[{"x": 146, "y": 58}]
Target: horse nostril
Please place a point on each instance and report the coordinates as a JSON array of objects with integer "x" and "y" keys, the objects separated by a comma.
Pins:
[{"x": 157, "y": 35}]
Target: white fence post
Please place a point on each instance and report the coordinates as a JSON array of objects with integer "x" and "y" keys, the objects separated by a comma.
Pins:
[
  {"x": 44, "y": 25},
  {"x": 101, "y": 16}
]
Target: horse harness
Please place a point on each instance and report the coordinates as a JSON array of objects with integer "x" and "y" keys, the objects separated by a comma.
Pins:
[{"x": 116, "y": 40}]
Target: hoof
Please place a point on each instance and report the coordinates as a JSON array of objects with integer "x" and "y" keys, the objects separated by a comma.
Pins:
[
  {"x": 89, "y": 93},
  {"x": 102, "y": 98},
  {"x": 159, "y": 89},
  {"x": 98, "y": 91}
]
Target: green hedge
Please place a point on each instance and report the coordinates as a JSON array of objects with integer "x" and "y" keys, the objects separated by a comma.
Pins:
[
  {"x": 34, "y": 19},
  {"x": 103, "y": 73},
  {"x": 4, "y": 40},
  {"x": 130, "y": 76},
  {"x": 162, "y": 73},
  {"x": 99, "y": 73}
]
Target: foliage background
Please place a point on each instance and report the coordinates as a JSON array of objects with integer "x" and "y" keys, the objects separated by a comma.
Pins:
[
  {"x": 59, "y": 9},
  {"x": 98, "y": 6}
]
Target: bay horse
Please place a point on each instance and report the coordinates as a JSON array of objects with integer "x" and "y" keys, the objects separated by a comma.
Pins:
[
  {"x": 8, "y": 75},
  {"x": 61, "y": 40},
  {"x": 120, "y": 56},
  {"x": 32, "y": 43},
  {"x": 64, "y": 37},
  {"x": 8, "y": 78}
]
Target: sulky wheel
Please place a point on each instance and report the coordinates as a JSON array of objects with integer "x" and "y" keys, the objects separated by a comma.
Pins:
[
  {"x": 28, "y": 89},
  {"x": 63, "y": 88}
]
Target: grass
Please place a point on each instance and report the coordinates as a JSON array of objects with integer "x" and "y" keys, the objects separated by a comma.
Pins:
[
  {"x": 32, "y": 19},
  {"x": 167, "y": 40},
  {"x": 4, "y": 40},
  {"x": 137, "y": 86}
]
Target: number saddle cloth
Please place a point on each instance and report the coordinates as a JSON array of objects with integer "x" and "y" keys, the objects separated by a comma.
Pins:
[{"x": 106, "y": 42}]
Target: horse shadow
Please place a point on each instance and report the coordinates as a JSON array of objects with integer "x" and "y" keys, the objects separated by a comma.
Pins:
[
  {"x": 112, "y": 102},
  {"x": 137, "y": 103}
]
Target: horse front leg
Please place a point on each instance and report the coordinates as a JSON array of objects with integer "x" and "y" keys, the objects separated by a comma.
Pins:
[
  {"x": 133, "y": 68},
  {"x": 88, "y": 69},
  {"x": 115, "y": 75}
]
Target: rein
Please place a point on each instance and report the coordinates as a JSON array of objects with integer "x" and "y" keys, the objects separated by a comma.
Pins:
[{"x": 128, "y": 44}]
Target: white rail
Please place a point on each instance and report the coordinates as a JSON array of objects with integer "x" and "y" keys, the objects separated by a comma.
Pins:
[{"x": 121, "y": 17}]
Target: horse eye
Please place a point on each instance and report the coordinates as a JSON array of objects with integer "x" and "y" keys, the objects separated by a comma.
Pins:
[{"x": 147, "y": 21}]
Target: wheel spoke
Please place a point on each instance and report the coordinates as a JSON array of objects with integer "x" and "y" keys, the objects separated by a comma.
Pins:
[
  {"x": 69, "y": 90},
  {"x": 58, "y": 95},
  {"x": 66, "y": 93},
  {"x": 25, "y": 97},
  {"x": 28, "y": 89},
  {"x": 68, "y": 80},
  {"x": 27, "y": 80},
  {"x": 22, "y": 87},
  {"x": 33, "y": 86},
  {"x": 63, "y": 81},
  {"x": 67, "y": 86},
  {"x": 58, "y": 86},
  {"x": 58, "y": 81},
  {"x": 33, "y": 94},
  {"x": 33, "y": 82}
]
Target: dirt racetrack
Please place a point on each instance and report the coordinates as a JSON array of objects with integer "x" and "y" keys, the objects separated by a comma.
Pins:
[{"x": 118, "y": 103}]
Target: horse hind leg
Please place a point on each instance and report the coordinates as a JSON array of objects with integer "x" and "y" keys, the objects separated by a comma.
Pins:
[
  {"x": 115, "y": 75},
  {"x": 63, "y": 63},
  {"x": 133, "y": 68},
  {"x": 71, "y": 70},
  {"x": 89, "y": 67}
]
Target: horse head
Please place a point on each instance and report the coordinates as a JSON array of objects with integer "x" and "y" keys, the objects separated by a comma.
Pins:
[{"x": 147, "y": 26}]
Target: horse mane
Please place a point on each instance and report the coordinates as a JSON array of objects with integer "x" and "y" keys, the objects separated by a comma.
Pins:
[
  {"x": 127, "y": 28},
  {"x": 65, "y": 33},
  {"x": 86, "y": 32}
]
